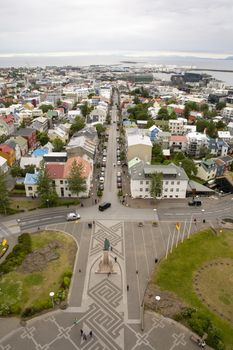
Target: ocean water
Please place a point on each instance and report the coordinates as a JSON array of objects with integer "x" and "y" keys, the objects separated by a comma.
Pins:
[{"x": 85, "y": 60}]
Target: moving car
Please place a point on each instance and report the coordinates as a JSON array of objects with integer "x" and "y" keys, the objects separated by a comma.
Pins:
[
  {"x": 104, "y": 206},
  {"x": 72, "y": 216}
]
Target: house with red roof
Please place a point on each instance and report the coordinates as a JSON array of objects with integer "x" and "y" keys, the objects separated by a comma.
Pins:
[
  {"x": 178, "y": 143},
  {"x": 9, "y": 120},
  {"x": 59, "y": 172}
]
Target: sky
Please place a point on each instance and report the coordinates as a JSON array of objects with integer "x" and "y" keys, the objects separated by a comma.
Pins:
[{"x": 53, "y": 27}]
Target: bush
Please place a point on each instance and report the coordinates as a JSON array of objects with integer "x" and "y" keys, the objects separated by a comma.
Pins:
[
  {"x": 18, "y": 254},
  {"x": 66, "y": 282}
]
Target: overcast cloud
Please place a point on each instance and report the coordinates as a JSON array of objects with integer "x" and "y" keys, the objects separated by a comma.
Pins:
[{"x": 39, "y": 26}]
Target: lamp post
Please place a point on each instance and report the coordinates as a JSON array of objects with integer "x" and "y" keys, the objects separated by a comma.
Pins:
[
  {"x": 51, "y": 294},
  {"x": 157, "y": 299}
]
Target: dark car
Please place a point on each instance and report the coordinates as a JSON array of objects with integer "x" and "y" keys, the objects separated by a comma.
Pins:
[
  {"x": 195, "y": 203},
  {"x": 104, "y": 206},
  {"x": 119, "y": 184}
]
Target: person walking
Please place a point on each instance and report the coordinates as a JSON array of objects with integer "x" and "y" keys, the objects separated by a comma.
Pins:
[
  {"x": 81, "y": 332},
  {"x": 84, "y": 336},
  {"x": 127, "y": 287},
  {"x": 90, "y": 334},
  {"x": 115, "y": 259}
]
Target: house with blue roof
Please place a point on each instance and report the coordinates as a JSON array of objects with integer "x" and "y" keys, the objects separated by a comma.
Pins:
[
  {"x": 218, "y": 147},
  {"x": 153, "y": 132},
  {"x": 40, "y": 152},
  {"x": 30, "y": 183}
]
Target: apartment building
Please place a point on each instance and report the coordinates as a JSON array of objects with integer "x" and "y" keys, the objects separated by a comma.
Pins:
[{"x": 176, "y": 126}]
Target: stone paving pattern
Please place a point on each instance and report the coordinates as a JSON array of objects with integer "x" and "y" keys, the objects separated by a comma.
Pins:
[{"x": 102, "y": 303}]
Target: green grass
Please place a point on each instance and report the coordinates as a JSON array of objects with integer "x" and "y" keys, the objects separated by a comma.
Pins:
[
  {"x": 176, "y": 273},
  {"x": 20, "y": 290}
]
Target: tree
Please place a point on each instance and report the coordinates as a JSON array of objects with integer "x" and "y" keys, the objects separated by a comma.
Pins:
[
  {"x": 173, "y": 115},
  {"x": 189, "y": 166},
  {"x": 204, "y": 152},
  {"x": 58, "y": 145},
  {"x": 163, "y": 114},
  {"x": 79, "y": 124},
  {"x": 45, "y": 108},
  {"x": 85, "y": 109},
  {"x": 220, "y": 125},
  {"x": 42, "y": 137},
  {"x": 76, "y": 180},
  {"x": 211, "y": 130},
  {"x": 4, "y": 202},
  {"x": 220, "y": 105},
  {"x": 157, "y": 154},
  {"x": 156, "y": 185},
  {"x": 100, "y": 128},
  {"x": 46, "y": 188}
]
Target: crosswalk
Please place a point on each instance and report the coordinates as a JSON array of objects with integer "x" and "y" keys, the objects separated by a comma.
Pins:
[{"x": 4, "y": 232}]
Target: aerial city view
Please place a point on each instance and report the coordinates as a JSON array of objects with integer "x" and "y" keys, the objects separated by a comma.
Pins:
[{"x": 116, "y": 175}]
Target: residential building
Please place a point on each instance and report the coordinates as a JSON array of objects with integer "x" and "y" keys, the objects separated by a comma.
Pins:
[
  {"x": 225, "y": 136},
  {"x": 22, "y": 142},
  {"x": 14, "y": 145},
  {"x": 227, "y": 113},
  {"x": 163, "y": 139},
  {"x": 29, "y": 134},
  {"x": 176, "y": 126},
  {"x": 195, "y": 142},
  {"x": 218, "y": 147},
  {"x": 8, "y": 153},
  {"x": 9, "y": 120},
  {"x": 81, "y": 146},
  {"x": 153, "y": 132},
  {"x": 206, "y": 169},
  {"x": 174, "y": 180},
  {"x": 59, "y": 172},
  {"x": 40, "y": 124},
  {"x": 220, "y": 167},
  {"x": 3, "y": 164},
  {"x": 138, "y": 145},
  {"x": 178, "y": 143},
  {"x": 55, "y": 157},
  {"x": 30, "y": 183},
  {"x": 36, "y": 161}
]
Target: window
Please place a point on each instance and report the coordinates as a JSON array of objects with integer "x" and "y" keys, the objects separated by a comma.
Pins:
[
  {"x": 165, "y": 190},
  {"x": 171, "y": 190},
  {"x": 141, "y": 182},
  {"x": 147, "y": 182},
  {"x": 178, "y": 182},
  {"x": 147, "y": 189},
  {"x": 30, "y": 188},
  {"x": 165, "y": 196},
  {"x": 176, "y": 196},
  {"x": 172, "y": 182},
  {"x": 166, "y": 182},
  {"x": 177, "y": 190},
  {"x": 141, "y": 189},
  {"x": 61, "y": 182}
]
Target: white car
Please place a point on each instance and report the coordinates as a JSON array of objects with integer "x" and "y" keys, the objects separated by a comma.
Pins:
[
  {"x": 101, "y": 179},
  {"x": 118, "y": 162},
  {"x": 72, "y": 216},
  {"x": 104, "y": 159}
]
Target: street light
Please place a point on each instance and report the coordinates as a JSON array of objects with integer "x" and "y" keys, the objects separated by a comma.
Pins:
[
  {"x": 157, "y": 299},
  {"x": 51, "y": 294},
  {"x": 47, "y": 201}
]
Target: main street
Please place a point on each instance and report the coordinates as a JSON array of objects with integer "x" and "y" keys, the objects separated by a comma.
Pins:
[{"x": 100, "y": 303}]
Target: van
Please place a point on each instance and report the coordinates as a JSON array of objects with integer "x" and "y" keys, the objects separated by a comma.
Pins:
[
  {"x": 195, "y": 203},
  {"x": 104, "y": 206}
]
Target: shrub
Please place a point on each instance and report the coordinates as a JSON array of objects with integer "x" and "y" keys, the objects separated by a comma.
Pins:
[
  {"x": 19, "y": 252},
  {"x": 66, "y": 282}
]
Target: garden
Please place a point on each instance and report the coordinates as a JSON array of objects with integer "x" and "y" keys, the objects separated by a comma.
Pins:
[
  {"x": 197, "y": 279},
  {"x": 39, "y": 264}
]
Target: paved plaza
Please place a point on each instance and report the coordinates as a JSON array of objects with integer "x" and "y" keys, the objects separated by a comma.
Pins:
[{"x": 101, "y": 303}]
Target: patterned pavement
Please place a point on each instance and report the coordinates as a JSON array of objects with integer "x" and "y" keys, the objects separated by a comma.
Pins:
[{"x": 101, "y": 303}]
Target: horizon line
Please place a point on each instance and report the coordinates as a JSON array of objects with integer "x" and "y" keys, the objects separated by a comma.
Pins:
[{"x": 131, "y": 54}]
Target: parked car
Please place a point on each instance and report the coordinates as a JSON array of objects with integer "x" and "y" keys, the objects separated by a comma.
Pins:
[
  {"x": 104, "y": 159},
  {"x": 119, "y": 184},
  {"x": 118, "y": 174},
  {"x": 102, "y": 169},
  {"x": 101, "y": 187},
  {"x": 102, "y": 173},
  {"x": 101, "y": 179},
  {"x": 72, "y": 216},
  {"x": 195, "y": 203}
]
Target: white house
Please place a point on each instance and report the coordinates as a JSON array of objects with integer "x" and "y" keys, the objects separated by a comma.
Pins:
[
  {"x": 176, "y": 126},
  {"x": 206, "y": 169},
  {"x": 195, "y": 141},
  {"x": 174, "y": 180}
]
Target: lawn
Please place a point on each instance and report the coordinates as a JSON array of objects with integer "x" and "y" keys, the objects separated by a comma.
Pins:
[
  {"x": 21, "y": 289},
  {"x": 208, "y": 260}
]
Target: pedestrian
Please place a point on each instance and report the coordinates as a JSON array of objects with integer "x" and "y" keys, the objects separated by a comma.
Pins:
[
  {"x": 90, "y": 334},
  {"x": 84, "y": 336},
  {"x": 115, "y": 259},
  {"x": 109, "y": 273},
  {"x": 127, "y": 287},
  {"x": 95, "y": 201},
  {"x": 38, "y": 228},
  {"x": 136, "y": 272},
  {"x": 111, "y": 248},
  {"x": 81, "y": 332},
  {"x": 79, "y": 270}
]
